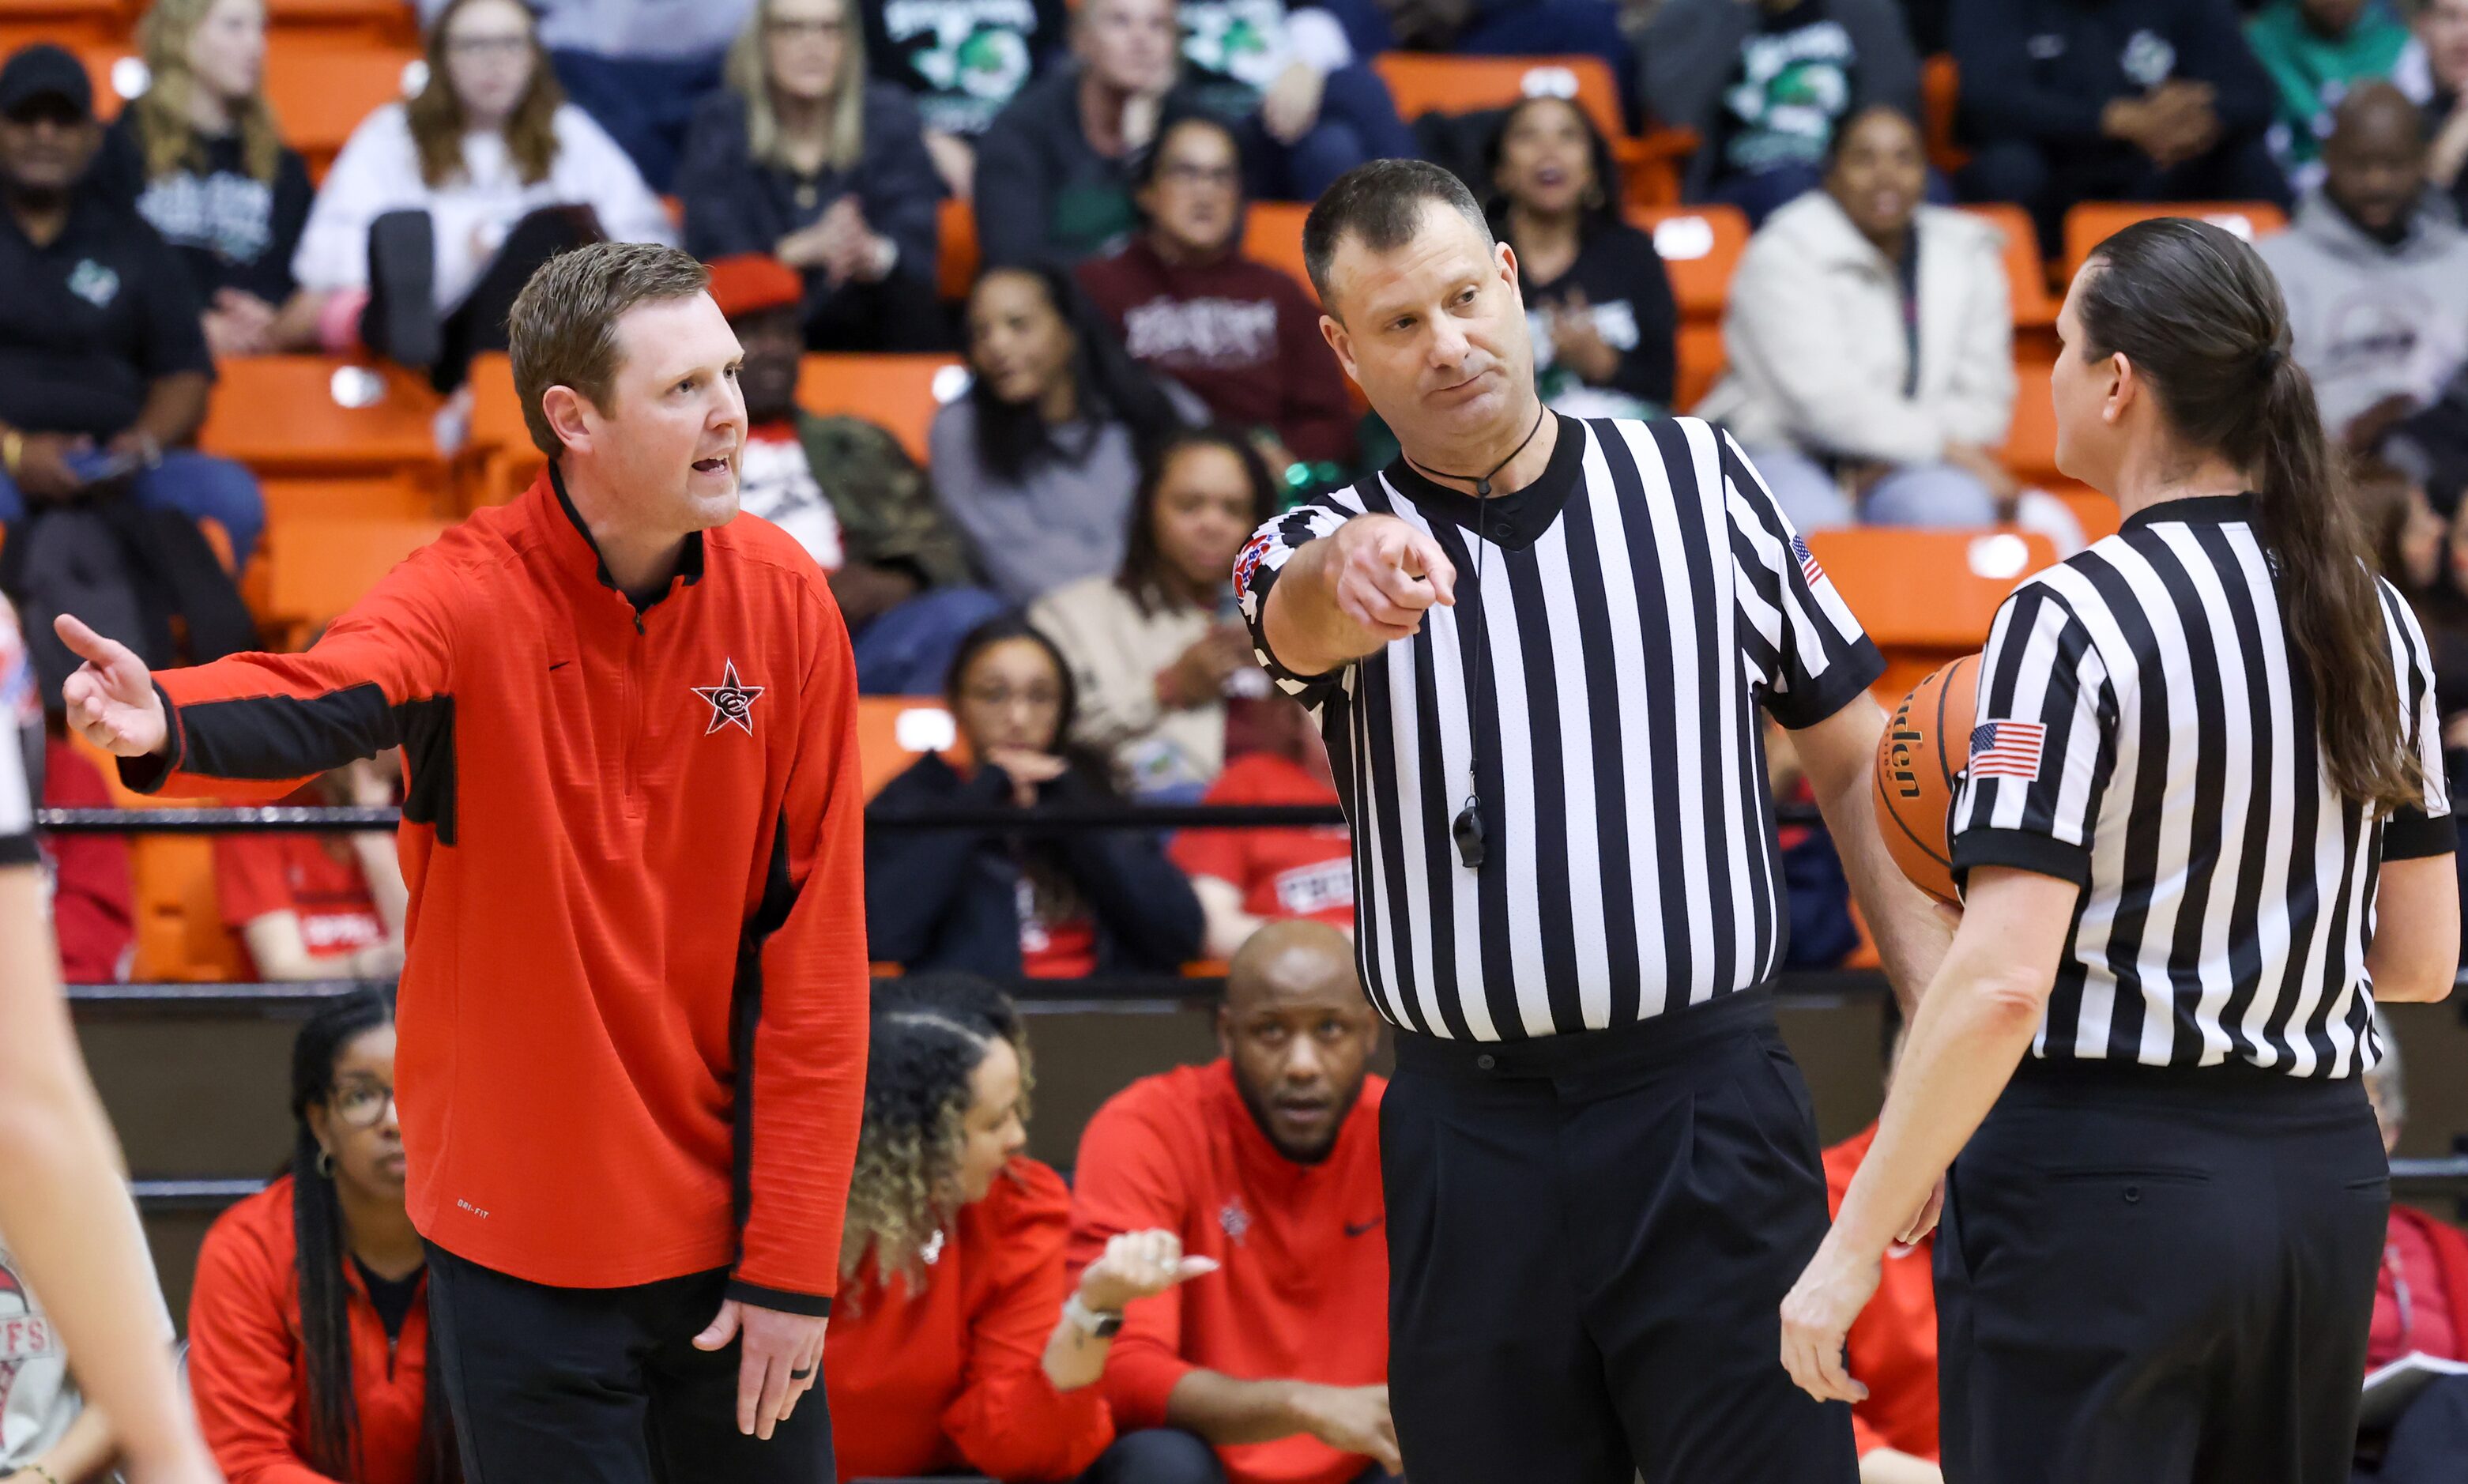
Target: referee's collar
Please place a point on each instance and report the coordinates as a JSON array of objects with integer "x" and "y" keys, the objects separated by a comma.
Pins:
[
  {"x": 2213, "y": 509},
  {"x": 1516, "y": 518}
]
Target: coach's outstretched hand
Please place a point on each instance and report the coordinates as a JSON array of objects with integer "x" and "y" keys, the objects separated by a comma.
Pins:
[
  {"x": 111, "y": 700},
  {"x": 781, "y": 1358}
]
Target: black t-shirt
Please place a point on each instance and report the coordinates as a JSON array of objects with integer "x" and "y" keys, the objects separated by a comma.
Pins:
[
  {"x": 87, "y": 322},
  {"x": 963, "y": 59},
  {"x": 233, "y": 230},
  {"x": 1628, "y": 295},
  {"x": 392, "y": 1296},
  {"x": 1792, "y": 83}
]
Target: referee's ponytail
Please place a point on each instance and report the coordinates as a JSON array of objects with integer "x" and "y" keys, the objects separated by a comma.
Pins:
[{"x": 2198, "y": 314}]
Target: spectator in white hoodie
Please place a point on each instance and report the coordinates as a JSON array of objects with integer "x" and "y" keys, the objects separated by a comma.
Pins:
[
  {"x": 1871, "y": 345},
  {"x": 437, "y": 209}
]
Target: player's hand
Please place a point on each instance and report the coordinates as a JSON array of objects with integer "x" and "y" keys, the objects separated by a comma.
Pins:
[
  {"x": 1352, "y": 1420},
  {"x": 1388, "y": 575},
  {"x": 1816, "y": 1313},
  {"x": 1137, "y": 1265},
  {"x": 111, "y": 700},
  {"x": 1924, "y": 1220},
  {"x": 781, "y": 1358}
]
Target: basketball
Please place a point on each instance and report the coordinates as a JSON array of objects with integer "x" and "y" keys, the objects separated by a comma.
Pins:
[{"x": 1919, "y": 764}]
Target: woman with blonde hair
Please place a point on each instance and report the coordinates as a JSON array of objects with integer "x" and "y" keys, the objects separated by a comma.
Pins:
[
  {"x": 201, "y": 156},
  {"x": 804, "y": 157},
  {"x": 440, "y": 207}
]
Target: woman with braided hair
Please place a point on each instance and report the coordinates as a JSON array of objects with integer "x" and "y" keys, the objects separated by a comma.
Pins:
[
  {"x": 310, "y": 1347},
  {"x": 955, "y": 1345}
]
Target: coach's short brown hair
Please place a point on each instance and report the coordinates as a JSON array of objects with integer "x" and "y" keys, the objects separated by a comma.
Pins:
[{"x": 562, "y": 329}]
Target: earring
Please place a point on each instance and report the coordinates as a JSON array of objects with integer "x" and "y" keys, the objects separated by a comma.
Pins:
[{"x": 326, "y": 1164}]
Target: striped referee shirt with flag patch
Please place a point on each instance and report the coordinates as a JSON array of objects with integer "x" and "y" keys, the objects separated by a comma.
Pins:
[
  {"x": 2142, "y": 731},
  {"x": 1639, "y": 602}
]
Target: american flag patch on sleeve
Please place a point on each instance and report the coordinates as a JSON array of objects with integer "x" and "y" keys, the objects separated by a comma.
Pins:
[
  {"x": 2007, "y": 749},
  {"x": 1809, "y": 570}
]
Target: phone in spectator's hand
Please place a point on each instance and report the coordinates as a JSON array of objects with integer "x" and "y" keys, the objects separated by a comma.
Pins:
[{"x": 100, "y": 466}]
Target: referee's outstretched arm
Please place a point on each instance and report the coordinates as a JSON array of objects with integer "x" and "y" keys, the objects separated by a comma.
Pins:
[{"x": 1352, "y": 593}]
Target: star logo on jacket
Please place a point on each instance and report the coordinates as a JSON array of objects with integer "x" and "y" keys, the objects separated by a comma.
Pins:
[
  {"x": 1234, "y": 1219},
  {"x": 732, "y": 701}
]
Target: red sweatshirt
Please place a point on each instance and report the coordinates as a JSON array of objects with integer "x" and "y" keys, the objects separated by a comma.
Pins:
[
  {"x": 249, "y": 1376},
  {"x": 1892, "y": 1346},
  {"x": 952, "y": 1378},
  {"x": 634, "y": 1006},
  {"x": 1239, "y": 333},
  {"x": 1301, "y": 1291}
]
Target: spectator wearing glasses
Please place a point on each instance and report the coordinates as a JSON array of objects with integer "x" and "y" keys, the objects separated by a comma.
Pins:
[
  {"x": 319, "y": 906},
  {"x": 1007, "y": 905},
  {"x": 201, "y": 155},
  {"x": 309, "y": 1346},
  {"x": 804, "y": 157},
  {"x": 439, "y": 208},
  {"x": 1187, "y": 303}
]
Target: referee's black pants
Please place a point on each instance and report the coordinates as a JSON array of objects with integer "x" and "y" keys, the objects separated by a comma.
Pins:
[
  {"x": 2161, "y": 1277},
  {"x": 554, "y": 1386},
  {"x": 1590, "y": 1237}
]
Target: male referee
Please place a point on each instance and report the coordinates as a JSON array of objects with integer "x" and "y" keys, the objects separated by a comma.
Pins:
[
  {"x": 633, "y": 1005},
  {"x": 1538, "y": 646}
]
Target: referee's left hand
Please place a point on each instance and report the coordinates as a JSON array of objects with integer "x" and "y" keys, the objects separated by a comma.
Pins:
[
  {"x": 1816, "y": 1313},
  {"x": 780, "y": 1359}
]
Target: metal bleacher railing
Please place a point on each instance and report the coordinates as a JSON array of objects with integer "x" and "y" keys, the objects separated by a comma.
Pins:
[{"x": 1129, "y": 993}]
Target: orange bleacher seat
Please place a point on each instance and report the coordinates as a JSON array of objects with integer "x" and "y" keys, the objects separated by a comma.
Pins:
[
  {"x": 317, "y": 416},
  {"x": 2031, "y": 444},
  {"x": 1702, "y": 363},
  {"x": 1940, "y": 96},
  {"x": 955, "y": 256},
  {"x": 1273, "y": 232},
  {"x": 895, "y": 731},
  {"x": 399, "y": 498},
  {"x": 497, "y": 458},
  {"x": 2027, "y": 276},
  {"x": 69, "y": 23},
  {"x": 322, "y": 89},
  {"x": 391, "y": 22},
  {"x": 316, "y": 568},
  {"x": 1701, "y": 249},
  {"x": 180, "y": 932},
  {"x": 1928, "y": 591},
  {"x": 2093, "y": 222},
  {"x": 899, "y": 392},
  {"x": 1440, "y": 83}
]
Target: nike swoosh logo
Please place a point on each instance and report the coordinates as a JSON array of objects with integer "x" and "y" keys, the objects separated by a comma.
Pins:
[
  {"x": 561, "y": 663},
  {"x": 1358, "y": 1228}
]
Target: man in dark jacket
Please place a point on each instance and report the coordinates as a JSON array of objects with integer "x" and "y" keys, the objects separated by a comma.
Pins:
[
  {"x": 1766, "y": 82},
  {"x": 849, "y": 493},
  {"x": 2067, "y": 100}
]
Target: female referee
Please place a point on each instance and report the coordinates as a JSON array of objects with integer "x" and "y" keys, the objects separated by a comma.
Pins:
[{"x": 2204, "y": 828}]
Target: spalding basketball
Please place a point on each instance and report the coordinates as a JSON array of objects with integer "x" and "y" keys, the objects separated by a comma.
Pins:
[{"x": 1919, "y": 766}]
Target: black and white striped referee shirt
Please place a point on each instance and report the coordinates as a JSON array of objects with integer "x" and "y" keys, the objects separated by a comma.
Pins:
[
  {"x": 20, "y": 733},
  {"x": 1642, "y": 599},
  {"x": 2142, "y": 731}
]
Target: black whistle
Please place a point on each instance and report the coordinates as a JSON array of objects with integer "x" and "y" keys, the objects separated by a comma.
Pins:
[{"x": 1467, "y": 831}]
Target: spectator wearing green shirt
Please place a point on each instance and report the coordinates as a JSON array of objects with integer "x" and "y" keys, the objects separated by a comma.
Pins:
[{"x": 2315, "y": 51}]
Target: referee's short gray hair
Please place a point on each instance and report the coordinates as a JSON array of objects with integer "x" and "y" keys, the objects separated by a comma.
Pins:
[{"x": 1382, "y": 203}]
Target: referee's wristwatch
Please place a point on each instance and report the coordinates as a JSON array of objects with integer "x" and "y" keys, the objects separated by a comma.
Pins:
[{"x": 1090, "y": 1323}]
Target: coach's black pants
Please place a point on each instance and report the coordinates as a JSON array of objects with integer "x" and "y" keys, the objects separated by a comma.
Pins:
[
  {"x": 1590, "y": 1237},
  {"x": 2161, "y": 1277},
  {"x": 554, "y": 1385}
]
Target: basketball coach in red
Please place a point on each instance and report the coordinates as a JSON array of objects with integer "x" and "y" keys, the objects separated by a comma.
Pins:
[{"x": 634, "y": 1006}]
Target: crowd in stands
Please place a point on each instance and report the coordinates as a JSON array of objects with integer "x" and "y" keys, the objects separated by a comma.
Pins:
[{"x": 1141, "y": 391}]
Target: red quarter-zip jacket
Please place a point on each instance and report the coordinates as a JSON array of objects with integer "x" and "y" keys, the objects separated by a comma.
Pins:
[
  {"x": 248, "y": 1371},
  {"x": 632, "y": 1021}
]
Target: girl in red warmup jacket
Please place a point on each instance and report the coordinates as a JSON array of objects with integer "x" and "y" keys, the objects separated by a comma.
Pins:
[
  {"x": 309, "y": 1339},
  {"x": 952, "y": 1348}
]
